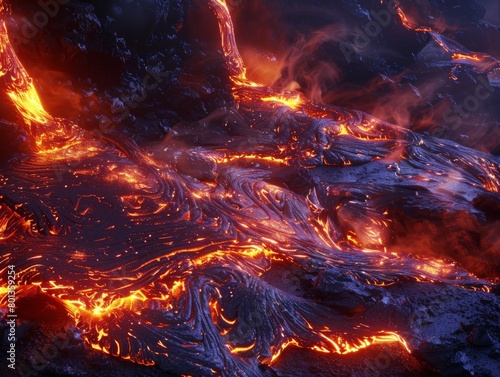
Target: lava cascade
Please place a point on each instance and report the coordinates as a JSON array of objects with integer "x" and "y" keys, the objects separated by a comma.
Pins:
[{"x": 180, "y": 254}]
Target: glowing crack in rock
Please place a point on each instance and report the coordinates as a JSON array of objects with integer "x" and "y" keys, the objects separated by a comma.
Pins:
[{"x": 157, "y": 266}]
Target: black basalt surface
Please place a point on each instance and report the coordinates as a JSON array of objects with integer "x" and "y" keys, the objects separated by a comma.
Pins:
[{"x": 168, "y": 195}]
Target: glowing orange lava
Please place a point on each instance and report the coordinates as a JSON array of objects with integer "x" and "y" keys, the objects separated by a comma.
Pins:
[{"x": 178, "y": 254}]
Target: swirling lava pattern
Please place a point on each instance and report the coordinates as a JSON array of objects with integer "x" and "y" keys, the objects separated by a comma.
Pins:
[{"x": 208, "y": 254}]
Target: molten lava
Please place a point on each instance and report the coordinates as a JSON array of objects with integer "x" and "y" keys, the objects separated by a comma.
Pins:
[{"x": 175, "y": 255}]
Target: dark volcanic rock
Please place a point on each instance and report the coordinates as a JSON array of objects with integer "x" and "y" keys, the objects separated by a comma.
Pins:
[
  {"x": 151, "y": 67},
  {"x": 360, "y": 54},
  {"x": 123, "y": 65}
]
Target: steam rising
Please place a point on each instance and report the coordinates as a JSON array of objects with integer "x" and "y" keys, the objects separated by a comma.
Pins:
[{"x": 179, "y": 254}]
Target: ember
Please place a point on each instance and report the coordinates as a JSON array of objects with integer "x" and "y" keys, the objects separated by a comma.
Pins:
[{"x": 274, "y": 225}]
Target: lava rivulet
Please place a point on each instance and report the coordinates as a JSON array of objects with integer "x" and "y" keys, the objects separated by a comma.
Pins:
[{"x": 177, "y": 254}]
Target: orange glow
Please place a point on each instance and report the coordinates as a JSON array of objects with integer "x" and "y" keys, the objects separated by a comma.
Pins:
[
  {"x": 228, "y": 40},
  {"x": 20, "y": 89},
  {"x": 29, "y": 105},
  {"x": 457, "y": 56},
  {"x": 241, "y": 349},
  {"x": 130, "y": 176},
  {"x": 344, "y": 130},
  {"x": 292, "y": 101},
  {"x": 253, "y": 157},
  {"x": 409, "y": 24},
  {"x": 302, "y": 229},
  {"x": 406, "y": 23},
  {"x": 42, "y": 127},
  {"x": 340, "y": 346},
  {"x": 343, "y": 347},
  {"x": 104, "y": 305},
  {"x": 277, "y": 354},
  {"x": 178, "y": 287},
  {"x": 434, "y": 268}
]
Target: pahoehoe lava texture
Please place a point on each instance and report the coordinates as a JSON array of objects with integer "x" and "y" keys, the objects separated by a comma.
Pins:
[{"x": 259, "y": 227}]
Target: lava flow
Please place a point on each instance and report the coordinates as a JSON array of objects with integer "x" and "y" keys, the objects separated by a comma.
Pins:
[{"x": 183, "y": 254}]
